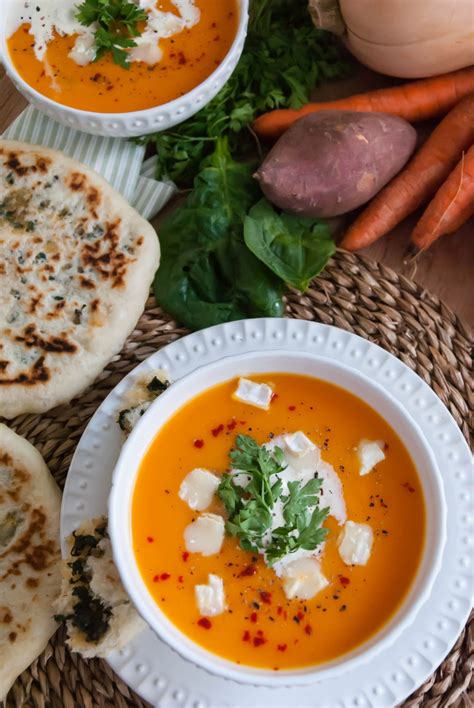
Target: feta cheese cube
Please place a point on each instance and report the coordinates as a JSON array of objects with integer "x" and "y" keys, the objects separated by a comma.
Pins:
[
  {"x": 198, "y": 488},
  {"x": 255, "y": 394},
  {"x": 210, "y": 598},
  {"x": 370, "y": 453},
  {"x": 355, "y": 543},
  {"x": 298, "y": 445},
  {"x": 205, "y": 535},
  {"x": 303, "y": 578}
]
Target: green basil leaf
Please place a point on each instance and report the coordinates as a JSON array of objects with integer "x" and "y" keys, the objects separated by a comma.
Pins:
[{"x": 296, "y": 249}]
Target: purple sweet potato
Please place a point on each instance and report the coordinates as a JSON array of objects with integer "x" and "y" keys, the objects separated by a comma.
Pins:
[{"x": 331, "y": 162}]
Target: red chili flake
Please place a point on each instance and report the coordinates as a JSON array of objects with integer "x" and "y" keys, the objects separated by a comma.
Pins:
[
  {"x": 291, "y": 408},
  {"x": 165, "y": 576},
  {"x": 343, "y": 580},
  {"x": 248, "y": 571},
  {"x": 156, "y": 578},
  {"x": 181, "y": 58},
  {"x": 150, "y": 539},
  {"x": 279, "y": 610},
  {"x": 274, "y": 397},
  {"x": 199, "y": 444},
  {"x": 180, "y": 579},
  {"x": 243, "y": 422},
  {"x": 258, "y": 641},
  {"x": 246, "y": 636},
  {"x": 185, "y": 556},
  {"x": 266, "y": 597},
  {"x": 232, "y": 424},
  {"x": 282, "y": 647},
  {"x": 259, "y": 633},
  {"x": 308, "y": 629},
  {"x": 205, "y": 623},
  {"x": 408, "y": 486},
  {"x": 253, "y": 617},
  {"x": 216, "y": 431},
  {"x": 300, "y": 615}
]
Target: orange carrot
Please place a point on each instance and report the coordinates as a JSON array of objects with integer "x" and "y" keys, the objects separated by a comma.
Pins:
[
  {"x": 418, "y": 181},
  {"x": 417, "y": 100},
  {"x": 451, "y": 206}
]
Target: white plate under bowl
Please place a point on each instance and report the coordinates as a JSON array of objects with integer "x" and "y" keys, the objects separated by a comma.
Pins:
[
  {"x": 262, "y": 363},
  {"x": 158, "y": 673}
]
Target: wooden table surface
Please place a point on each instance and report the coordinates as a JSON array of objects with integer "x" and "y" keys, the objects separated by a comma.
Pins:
[{"x": 447, "y": 269}]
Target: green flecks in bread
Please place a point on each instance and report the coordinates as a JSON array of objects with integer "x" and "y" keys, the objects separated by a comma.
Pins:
[{"x": 98, "y": 615}]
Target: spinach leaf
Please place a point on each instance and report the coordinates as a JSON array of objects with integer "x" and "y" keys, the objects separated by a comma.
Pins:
[
  {"x": 207, "y": 275},
  {"x": 294, "y": 248}
]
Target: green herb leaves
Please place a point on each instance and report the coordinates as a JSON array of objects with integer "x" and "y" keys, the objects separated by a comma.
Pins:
[
  {"x": 207, "y": 275},
  {"x": 249, "y": 507},
  {"x": 116, "y": 23},
  {"x": 294, "y": 248},
  {"x": 250, "y": 504}
]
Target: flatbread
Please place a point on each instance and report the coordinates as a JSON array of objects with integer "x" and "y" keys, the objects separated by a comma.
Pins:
[
  {"x": 76, "y": 264},
  {"x": 98, "y": 614},
  {"x": 29, "y": 555}
]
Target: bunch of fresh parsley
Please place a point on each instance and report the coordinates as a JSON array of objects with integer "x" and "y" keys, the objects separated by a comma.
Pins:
[
  {"x": 284, "y": 58},
  {"x": 249, "y": 507},
  {"x": 116, "y": 23}
]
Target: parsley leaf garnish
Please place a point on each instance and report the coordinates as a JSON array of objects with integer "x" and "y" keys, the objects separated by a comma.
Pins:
[
  {"x": 250, "y": 505},
  {"x": 116, "y": 23}
]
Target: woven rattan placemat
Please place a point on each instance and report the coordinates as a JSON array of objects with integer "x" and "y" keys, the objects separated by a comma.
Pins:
[{"x": 353, "y": 293}]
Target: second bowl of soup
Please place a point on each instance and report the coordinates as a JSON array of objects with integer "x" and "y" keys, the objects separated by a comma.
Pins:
[{"x": 153, "y": 66}]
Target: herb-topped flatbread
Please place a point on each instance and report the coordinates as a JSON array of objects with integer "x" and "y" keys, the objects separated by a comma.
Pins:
[
  {"x": 98, "y": 614},
  {"x": 29, "y": 555},
  {"x": 76, "y": 264}
]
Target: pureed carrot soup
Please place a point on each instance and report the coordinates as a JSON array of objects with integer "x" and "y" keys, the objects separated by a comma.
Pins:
[
  {"x": 178, "y": 45},
  {"x": 330, "y": 513}
]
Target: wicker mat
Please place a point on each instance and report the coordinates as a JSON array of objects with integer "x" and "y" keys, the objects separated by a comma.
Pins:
[{"x": 353, "y": 293}]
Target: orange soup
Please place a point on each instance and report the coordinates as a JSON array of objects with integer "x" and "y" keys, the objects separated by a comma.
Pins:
[
  {"x": 188, "y": 57},
  {"x": 260, "y": 625}
]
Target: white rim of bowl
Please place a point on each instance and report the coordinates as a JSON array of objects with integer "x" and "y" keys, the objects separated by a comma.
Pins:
[
  {"x": 243, "y": 6},
  {"x": 168, "y": 632}
]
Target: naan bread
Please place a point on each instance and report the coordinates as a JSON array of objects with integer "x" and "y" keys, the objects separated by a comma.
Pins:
[
  {"x": 29, "y": 555},
  {"x": 98, "y": 614},
  {"x": 76, "y": 264}
]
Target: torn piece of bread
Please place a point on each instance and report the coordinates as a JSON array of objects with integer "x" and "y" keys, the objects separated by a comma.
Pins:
[
  {"x": 98, "y": 614},
  {"x": 140, "y": 397}
]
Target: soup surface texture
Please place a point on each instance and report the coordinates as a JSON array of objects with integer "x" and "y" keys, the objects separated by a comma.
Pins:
[
  {"x": 261, "y": 627},
  {"x": 187, "y": 58}
]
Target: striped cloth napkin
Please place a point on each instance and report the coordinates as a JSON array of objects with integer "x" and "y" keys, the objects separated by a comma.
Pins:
[{"x": 118, "y": 160}]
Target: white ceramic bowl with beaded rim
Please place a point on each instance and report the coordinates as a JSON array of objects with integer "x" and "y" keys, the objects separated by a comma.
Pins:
[
  {"x": 133, "y": 123},
  {"x": 179, "y": 394}
]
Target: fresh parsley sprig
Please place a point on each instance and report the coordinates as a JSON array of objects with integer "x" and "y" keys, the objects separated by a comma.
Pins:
[
  {"x": 249, "y": 506},
  {"x": 116, "y": 23}
]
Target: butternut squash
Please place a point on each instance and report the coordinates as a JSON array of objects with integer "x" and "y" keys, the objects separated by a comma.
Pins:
[{"x": 405, "y": 38}]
